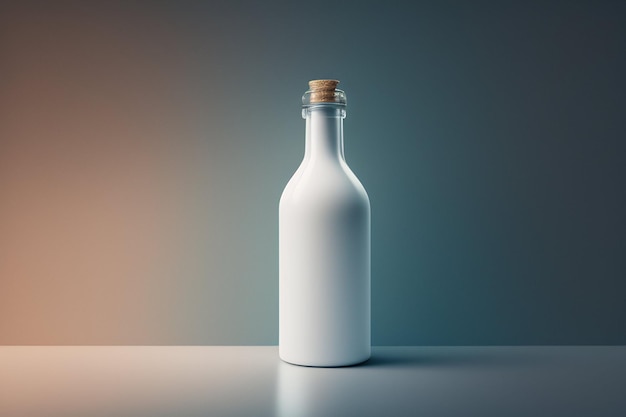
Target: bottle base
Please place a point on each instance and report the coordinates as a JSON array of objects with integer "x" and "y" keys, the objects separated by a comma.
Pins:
[{"x": 329, "y": 364}]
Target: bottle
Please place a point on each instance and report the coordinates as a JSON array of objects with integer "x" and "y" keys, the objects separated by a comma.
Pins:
[{"x": 324, "y": 245}]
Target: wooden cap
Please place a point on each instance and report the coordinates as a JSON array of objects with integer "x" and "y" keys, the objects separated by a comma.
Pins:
[{"x": 323, "y": 91}]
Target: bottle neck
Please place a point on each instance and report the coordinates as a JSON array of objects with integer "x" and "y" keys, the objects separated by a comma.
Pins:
[{"x": 324, "y": 132}]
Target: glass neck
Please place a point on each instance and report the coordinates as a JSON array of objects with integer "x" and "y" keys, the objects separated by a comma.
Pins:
[{"x": 324, "y": 132}]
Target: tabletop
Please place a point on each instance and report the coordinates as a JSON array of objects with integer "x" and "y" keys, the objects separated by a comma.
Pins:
[{"x": 119, "y": 381}]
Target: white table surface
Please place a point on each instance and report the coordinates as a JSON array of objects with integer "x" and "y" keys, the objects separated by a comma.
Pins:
[{"x": 180, "y": 381}]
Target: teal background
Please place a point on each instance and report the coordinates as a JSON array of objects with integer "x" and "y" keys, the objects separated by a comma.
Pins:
[{"x": 490, "y": 137}]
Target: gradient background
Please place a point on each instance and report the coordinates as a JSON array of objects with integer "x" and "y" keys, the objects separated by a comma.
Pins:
[{"x": 144, "y": 147}]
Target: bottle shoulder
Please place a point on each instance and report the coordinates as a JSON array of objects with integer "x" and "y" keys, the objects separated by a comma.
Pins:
[{"x": 324, "y": 184}]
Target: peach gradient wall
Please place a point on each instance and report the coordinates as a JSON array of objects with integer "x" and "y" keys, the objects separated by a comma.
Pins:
[
  {"x": 79, "y": 172},
  {"x": 92, "y": 177}
]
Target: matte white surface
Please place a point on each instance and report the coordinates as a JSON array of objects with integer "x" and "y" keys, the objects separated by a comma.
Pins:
[
  {"x": 252, "y": 381},
  {"x": 324, "y": 251}
]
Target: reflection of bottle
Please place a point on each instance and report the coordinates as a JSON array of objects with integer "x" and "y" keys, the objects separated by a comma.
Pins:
[
  {"x": 324, "y": 245},
  {"x": 306, "y": 392}
]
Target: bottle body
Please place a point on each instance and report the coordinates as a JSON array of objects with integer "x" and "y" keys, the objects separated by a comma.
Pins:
[{"x": 324, "y": 253}]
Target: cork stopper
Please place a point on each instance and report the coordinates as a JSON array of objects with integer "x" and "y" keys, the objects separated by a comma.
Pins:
[{"x": 323, "y": 91}]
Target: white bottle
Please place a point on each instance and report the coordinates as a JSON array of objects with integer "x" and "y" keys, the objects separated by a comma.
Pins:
[{"x": 324, "y": 245}]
